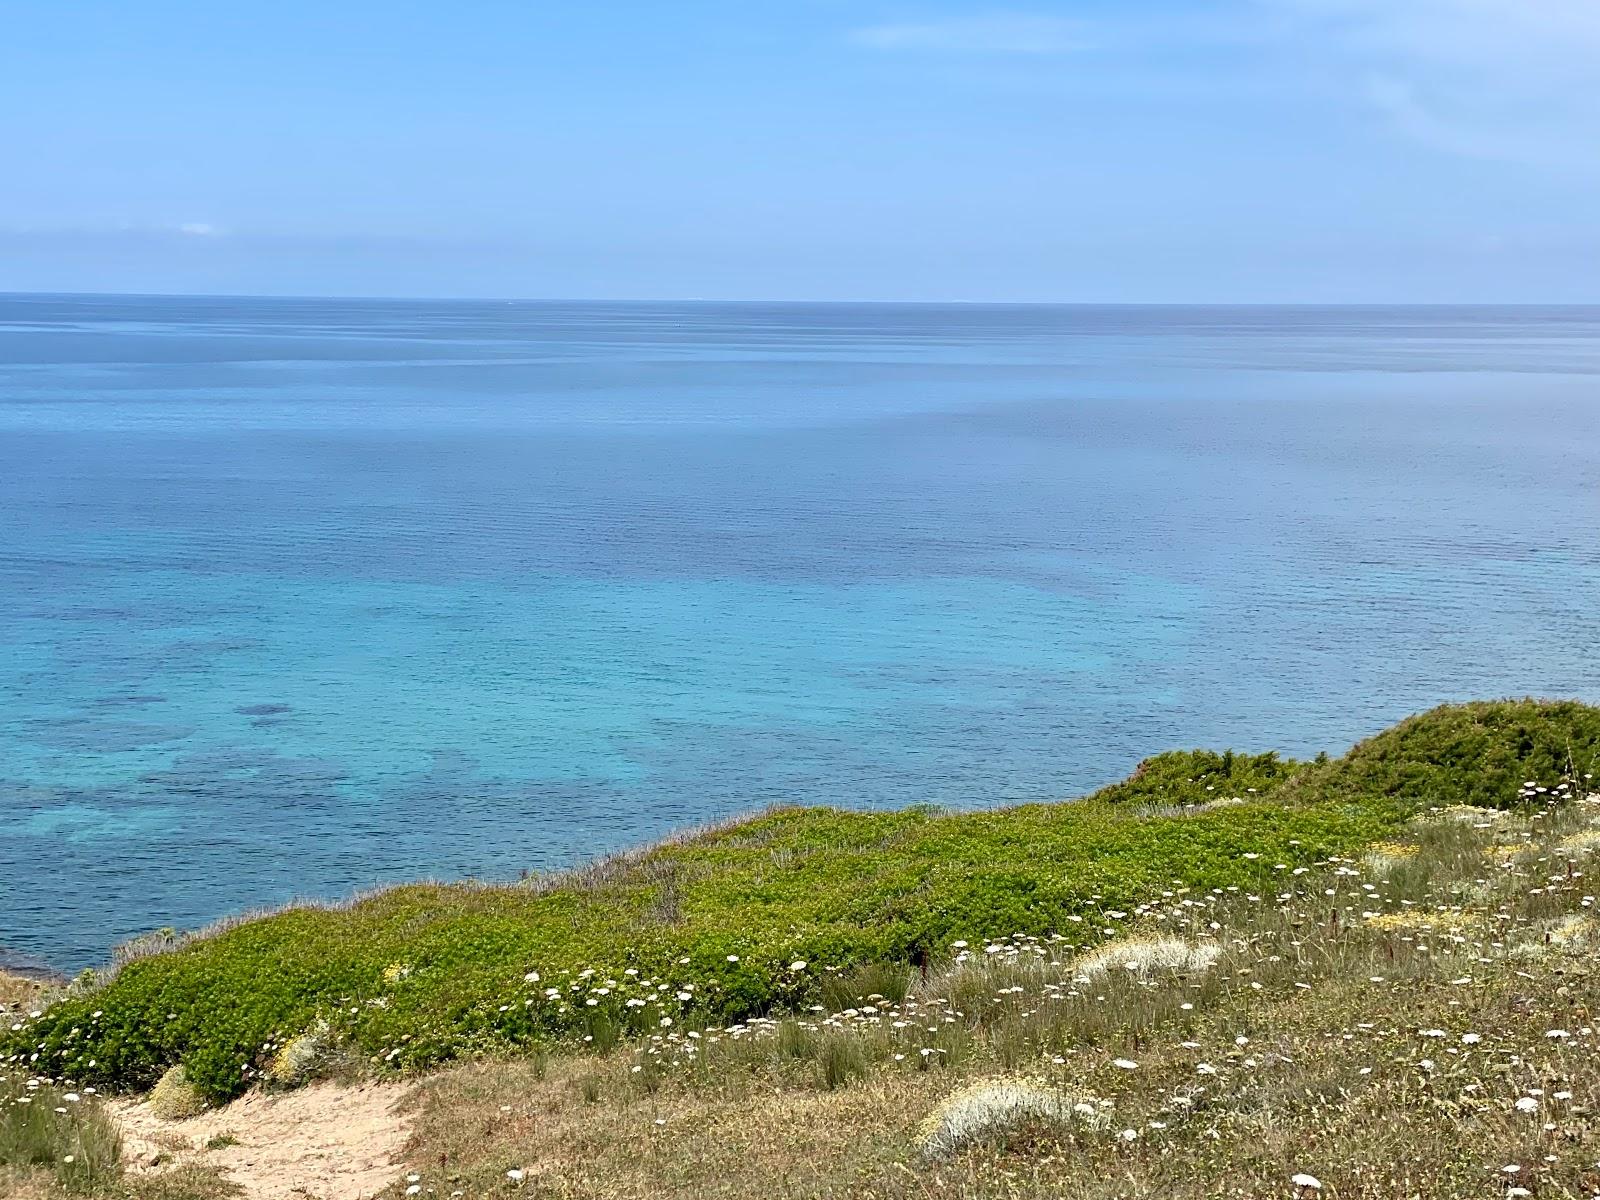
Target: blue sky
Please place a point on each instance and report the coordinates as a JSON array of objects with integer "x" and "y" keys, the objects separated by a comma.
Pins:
[{"x": 1212, "y": 150}]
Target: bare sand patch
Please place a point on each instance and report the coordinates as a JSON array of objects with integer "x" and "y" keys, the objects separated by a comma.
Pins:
[{"x": 324, "y": 1142}]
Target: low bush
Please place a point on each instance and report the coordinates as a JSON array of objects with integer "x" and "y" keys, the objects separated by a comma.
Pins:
[
  {"x": 764, "y": 911},
  {"x": 299, "y": 1059},
  {"x": 992, "y": 1110},
  {"x": 174, "y": 1098}
]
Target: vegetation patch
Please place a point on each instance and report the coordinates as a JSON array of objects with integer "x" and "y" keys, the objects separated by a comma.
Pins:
[
  {"x": 1325, "y": 1051},
  {"x": 63, "y": 1132},
  {"x": 767, "y": 914}
]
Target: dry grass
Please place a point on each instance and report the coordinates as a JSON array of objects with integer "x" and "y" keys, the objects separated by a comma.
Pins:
[
  {"x": 193, "y": 1183},
  {"x": 20, "y": 994},
  {"x": 1420, "y": 1031}
]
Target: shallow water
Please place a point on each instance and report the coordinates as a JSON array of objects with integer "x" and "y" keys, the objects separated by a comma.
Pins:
[{"x": 303, "y": 596}]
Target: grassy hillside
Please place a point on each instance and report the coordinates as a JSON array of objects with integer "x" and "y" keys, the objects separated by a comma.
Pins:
[
  {"x": 772, "y": 913},
  {"x": 1416, "y": 1021}
]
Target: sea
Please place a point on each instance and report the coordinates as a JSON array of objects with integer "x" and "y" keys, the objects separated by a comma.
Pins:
[{"x": 299, "y": 597}]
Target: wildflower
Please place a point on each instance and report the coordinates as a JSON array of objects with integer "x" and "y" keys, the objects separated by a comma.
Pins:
[
  {"x": 1471, "y": 1039},
  {"x": 798, "y": 964},
  {"x": 1302, "y": 1180},
  {"x": 516, "y": 1175},
  {"x": 1527, "y": 1105},
  {"x": 1125, "y": 1064}
]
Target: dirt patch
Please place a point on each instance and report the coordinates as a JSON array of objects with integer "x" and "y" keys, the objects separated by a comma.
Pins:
[
  {"x": 23, "y": 991},
  {"x": 324, "y": 1142}
]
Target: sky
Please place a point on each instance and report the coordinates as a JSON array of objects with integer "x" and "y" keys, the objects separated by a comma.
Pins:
[{"x": 1091, "y": 151}]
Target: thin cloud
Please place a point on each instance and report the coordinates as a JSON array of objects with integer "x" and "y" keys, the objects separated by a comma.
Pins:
[
  {"x": 1398, "y": 102},
  {"x": 1515, "y": 80},
  {"x": 996, "y": 34},
  {"x": 198, "y": 229}
]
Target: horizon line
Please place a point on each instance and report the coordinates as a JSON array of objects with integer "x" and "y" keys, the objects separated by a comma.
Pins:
[{"x": 797, "y": 301}]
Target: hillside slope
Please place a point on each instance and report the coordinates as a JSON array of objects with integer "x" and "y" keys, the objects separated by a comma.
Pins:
[{"x": 800, "y": 909}]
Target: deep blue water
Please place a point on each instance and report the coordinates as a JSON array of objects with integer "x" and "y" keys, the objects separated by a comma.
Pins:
[{"x": 299, "y": 596}]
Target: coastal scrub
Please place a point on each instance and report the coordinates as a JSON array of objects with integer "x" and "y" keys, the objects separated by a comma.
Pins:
[{"x": 759, "y": 915}]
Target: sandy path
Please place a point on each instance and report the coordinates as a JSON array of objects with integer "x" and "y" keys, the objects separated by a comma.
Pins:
[{"x": 325, "y": 1142}]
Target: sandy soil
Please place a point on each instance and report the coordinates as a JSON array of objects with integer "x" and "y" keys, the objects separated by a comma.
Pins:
[{"x": 324, "y": 1142}]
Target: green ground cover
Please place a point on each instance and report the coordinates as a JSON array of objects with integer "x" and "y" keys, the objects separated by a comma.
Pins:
[{"x": 754, "y": 916}]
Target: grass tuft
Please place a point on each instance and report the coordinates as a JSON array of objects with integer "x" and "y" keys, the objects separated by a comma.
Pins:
[
  {"x": 62, "y": 1131},
  {"x": 174, "y": 1098}
]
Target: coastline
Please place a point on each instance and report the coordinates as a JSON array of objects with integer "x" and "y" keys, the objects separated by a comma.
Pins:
[
  {"x": 903, "y": 974},
  {"x": 22, "y": 966}
]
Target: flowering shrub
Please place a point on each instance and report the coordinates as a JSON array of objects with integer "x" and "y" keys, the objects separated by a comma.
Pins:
[
  {"x": 1148, "y": 955},
  {"x": 298, "y": 1059},
  {"x": 993, "y": 1108}
]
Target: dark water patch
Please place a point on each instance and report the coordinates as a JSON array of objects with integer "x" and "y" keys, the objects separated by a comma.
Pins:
[
  {"x": 263, "y": 710},
  {"x": 201, "y": 652},
  {"x": 249, "y": 775},
  {"x": 88, "y": 734}
]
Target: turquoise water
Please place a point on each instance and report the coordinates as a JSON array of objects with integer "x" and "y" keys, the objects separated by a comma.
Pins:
[{"x": 306, "y": 596}]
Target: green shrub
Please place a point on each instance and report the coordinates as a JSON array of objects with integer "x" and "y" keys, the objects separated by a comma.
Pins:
[
  {"x": 1479, "y": 754},
  {"x": 765, "y": 910},
  {"x": 1183, "y": 778}
]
